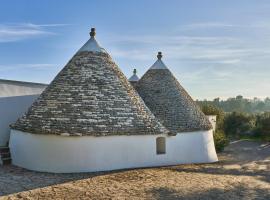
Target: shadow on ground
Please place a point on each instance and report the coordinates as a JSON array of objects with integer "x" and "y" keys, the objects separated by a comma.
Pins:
[
  {"x": 263, "y": 175},
  {"x": 241, "y": 192},
  {"x": 14, "y": 179},
  {"x": 240, "y": 158}
]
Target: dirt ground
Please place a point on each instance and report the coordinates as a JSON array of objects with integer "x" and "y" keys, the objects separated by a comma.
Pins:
[{"x": 242, "y": 173}]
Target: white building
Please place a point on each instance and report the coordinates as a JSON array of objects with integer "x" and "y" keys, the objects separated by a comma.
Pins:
[
  {"x": 90, "y": 118},
  {"x": 15, "y": 98}
]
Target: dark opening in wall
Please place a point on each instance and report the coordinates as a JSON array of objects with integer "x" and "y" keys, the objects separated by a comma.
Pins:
[{"x": 161, "y": 145}]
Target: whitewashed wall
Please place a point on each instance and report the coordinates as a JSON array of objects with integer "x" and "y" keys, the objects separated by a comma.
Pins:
[
  {"x": 11, "y": 108},
  {"x": 213, "y": 120},
  {"x": 51, "y": 153}
]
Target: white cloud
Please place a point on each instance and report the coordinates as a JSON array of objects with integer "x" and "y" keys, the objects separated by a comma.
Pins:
[
  {"x": 16, "y": 32},
  {"x": 170, "y": 39},
  {"x": 221, "y": 25},
  {"x": 43, "y": 25},
  {"x": 223, "y": 50},
  {"x": 11, "y": 67},
  {"x": 223, "y": 60},
  {"x": 227, "y": 50},
  {"x": 208, "y": 25}
]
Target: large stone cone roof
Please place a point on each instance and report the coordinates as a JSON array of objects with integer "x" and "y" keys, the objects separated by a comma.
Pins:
[
  {"x": 169, "y": 101},
  {"x": 90, "y": 96}
]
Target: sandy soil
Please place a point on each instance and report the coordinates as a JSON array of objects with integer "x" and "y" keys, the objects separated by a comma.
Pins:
[{"x": 242, "y": 173}]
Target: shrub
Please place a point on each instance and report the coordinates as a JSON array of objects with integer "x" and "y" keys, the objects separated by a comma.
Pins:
[
  {"x": 263, "y": 126},
  {"x": 221, "y": 141},
  {"x": 238, "y": 123}
]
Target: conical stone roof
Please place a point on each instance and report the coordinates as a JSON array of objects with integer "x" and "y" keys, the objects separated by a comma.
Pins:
[
  {"x": 134, "y": 77},
  {"x": 169, "y": 101},
  {"x": 90, "y": 96}
]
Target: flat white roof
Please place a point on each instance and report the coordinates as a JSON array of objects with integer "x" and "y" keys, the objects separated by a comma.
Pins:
[{"x": 10, "y": 88}]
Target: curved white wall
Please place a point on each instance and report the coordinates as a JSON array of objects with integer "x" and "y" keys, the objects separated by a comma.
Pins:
[{"x": 52, "y": 153}]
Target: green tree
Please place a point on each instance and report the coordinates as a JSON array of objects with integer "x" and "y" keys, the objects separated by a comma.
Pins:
[
  {"x": 238, "y": 123},
  {"x": 220, "y": 140},
  {"x": 263, "y": 125},
  {"x": 240, "y": 104}
]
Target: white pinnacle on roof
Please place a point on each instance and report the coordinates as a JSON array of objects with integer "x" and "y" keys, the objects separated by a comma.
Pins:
[
  {"x": 159, "y": 64},
  {"x": 134, "y": 77},
  {"x": 92, "y": 44}
]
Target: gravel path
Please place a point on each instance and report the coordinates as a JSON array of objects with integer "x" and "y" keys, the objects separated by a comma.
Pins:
[{"x": 242, "y": 173}]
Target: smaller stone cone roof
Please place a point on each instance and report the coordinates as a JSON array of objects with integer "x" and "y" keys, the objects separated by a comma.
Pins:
[
  {"x": 90, "y": 96},
  {"x": 134, "y": 77},
  {"x": 169, "y": 101}
]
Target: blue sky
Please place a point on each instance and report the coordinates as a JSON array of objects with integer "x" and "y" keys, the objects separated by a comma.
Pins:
[{"x": 214, "y": 48}]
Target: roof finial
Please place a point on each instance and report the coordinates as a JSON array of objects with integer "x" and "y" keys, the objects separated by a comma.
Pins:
[
  {"x": 159, "y": 56},
  {"x": 134, "y": 71},
  {"x": 93, "y": 32}
]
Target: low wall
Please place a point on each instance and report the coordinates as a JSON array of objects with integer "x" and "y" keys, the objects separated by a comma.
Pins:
[
  {"x": 11, "y": 108},
  {"x": 53, "y": 153}
]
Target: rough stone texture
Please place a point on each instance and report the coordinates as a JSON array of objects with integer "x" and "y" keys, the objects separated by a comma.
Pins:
[
  {"x": 242, "y": 174},
  {"x": 133, "y": 83},
  {"x": 90, "y": 96},
  {"x": 170, "y": 103}
]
